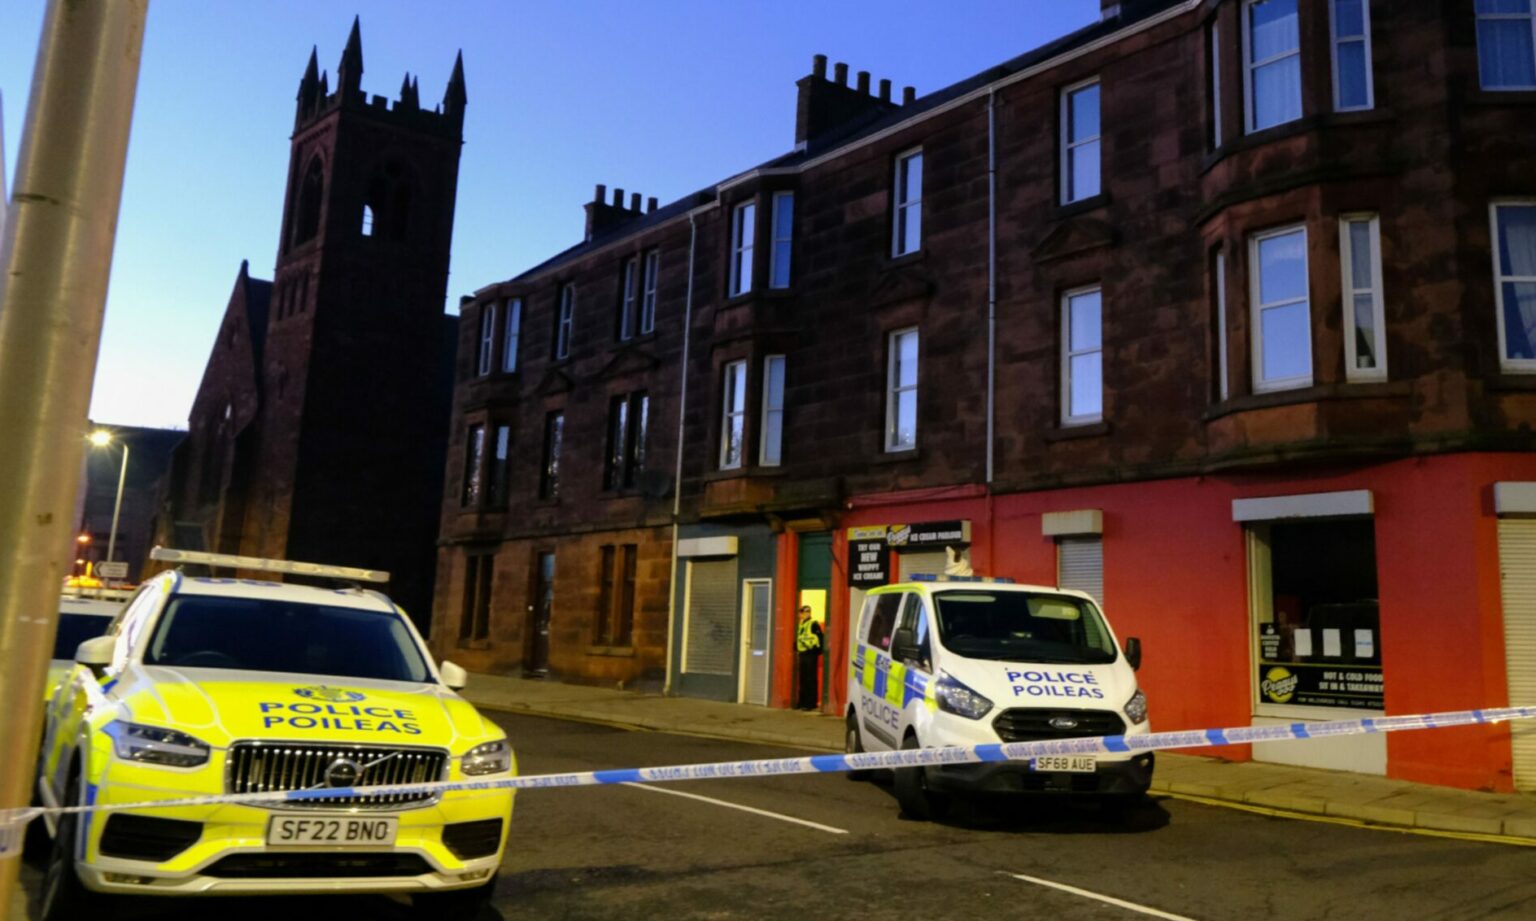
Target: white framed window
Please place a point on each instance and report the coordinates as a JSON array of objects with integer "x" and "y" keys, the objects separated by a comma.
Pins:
[
  {"x": 1514, "y": 275},
  {"x": 901, "y": 391},
  {"x": 1353, "y": 86},
  {"x": 648, "y": 298},
  {"x": 487, "y": 340},
  {"x": 1506, "y": 44},
  {"x": 1213, "y": 42},
  {"x": 1082, "y": 356},
  {"x": 367, "y": 220},
  {"x": 733, "y": 415},
  {"x": 782, "y": 239},
  {"x": 1365, "y": 343},
  {"x": 1281, "y": 318},
  {"x": 514, "y": 333},
  {"x": 1080, "y": 171},
  {"x": 771, "y": 447},
  {"x": 907, "y": 229},
  {"x": 628, "y": 298},
  {"x": 566, "y": 322},
  {"x": 1271, "y": 62},
  {"x": 743, "y": 232},
  {"x": 1219, "y": 279}
]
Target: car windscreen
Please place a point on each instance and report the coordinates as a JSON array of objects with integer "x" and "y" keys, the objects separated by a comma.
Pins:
[
  {"x": 75, "y": 629},
  {"x": 1022, "y": 627},
  {"x": 272, "y": 635}
]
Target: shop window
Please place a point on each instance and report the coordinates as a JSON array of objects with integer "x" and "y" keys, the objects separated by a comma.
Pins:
[
  {"x": 1313, "y": 592},
  {"x": 1272, "y": 53},
  {"x": 475, "y": 619},
  {"x": 1080, "y": 141}
]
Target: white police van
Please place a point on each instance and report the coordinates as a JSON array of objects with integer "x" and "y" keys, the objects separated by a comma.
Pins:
[{"x": 971, "y": 661}]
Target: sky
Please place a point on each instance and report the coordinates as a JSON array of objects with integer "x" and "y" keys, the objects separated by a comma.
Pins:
[{"x": 661, "y": 97}]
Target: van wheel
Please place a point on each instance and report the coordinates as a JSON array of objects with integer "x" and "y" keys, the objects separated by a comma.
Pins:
[
  {"x": 64, "y": 895},
  {"x": 455, "y": 904},
  {"x": 854, "y": 745},
  {"x": 912, "y": 794}
]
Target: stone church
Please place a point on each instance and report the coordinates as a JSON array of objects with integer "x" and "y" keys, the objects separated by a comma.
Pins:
[{"x": 318, "y": 431}]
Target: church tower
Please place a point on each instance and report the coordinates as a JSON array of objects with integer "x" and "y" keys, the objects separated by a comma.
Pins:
[{"x": 356, "y": 370}]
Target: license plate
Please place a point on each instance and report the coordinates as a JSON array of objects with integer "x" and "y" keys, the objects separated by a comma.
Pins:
[
  {"x": 1070, "y": 764},
  {"x": 332, "y": 831}
]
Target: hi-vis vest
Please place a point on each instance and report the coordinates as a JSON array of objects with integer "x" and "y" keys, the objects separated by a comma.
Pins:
[{"x": 805, "y": 639}]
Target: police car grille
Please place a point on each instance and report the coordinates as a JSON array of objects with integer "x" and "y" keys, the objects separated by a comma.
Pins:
[
  {"x": 1022, "y": 725},
  {"x": 262, "y": 767}
]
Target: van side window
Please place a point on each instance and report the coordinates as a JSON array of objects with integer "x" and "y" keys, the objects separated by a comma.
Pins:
[
  {"x": 883, "y": 621},
  {"x": 914, "y": 617}
]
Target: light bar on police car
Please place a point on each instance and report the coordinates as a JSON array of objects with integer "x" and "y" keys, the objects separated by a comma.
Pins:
[{"x": 290, "y": 567}]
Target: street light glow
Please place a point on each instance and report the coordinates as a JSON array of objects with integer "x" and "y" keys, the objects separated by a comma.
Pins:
[
  {"x": 83, "y": 539},
  {"x": 101, "y": 438}
]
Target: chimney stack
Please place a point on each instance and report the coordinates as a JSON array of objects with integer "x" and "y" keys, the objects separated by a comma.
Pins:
[
  {"x": 819, "y": 66},
  {"x": 604, "y": 213},
  {"x": 885, "y": 91},
  {"x": 840, "y": 73},
  {"x": 908, "y": 95},
  {"x": 602, "y": 193},
  {"x": 863, "y": 86},
  {"x": 618, "y": 198},
  {"x": 650, "y": 204},
  {"x": 634, "y": 202},
  {"x": 824, "y": 105}
]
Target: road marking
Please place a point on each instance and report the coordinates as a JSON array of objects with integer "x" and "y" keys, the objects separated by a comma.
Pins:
[
  {"x": 1106, "y": 899},
  {"x": 1277, "y": 813},
  {"x": 729, "y": 805}
]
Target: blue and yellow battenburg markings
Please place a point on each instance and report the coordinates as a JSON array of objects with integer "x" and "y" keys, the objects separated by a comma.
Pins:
[{"x": 889, "y": 680}]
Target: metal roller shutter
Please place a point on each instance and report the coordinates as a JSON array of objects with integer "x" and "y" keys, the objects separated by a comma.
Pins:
[
  {"x": 711, "y": 635},
  {"x": 1517, "y": 570},
  {"x": 928, "y": 564},
  {"x": 1080, "y": 565}
]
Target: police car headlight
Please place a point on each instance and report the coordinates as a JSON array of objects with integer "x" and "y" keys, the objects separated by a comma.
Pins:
[
  {"x": 490, "y": 758},
  {"x": 154, "y": 745},
  {"x": 1136, "y": 708},
  {"x": 954, "y": 697}
]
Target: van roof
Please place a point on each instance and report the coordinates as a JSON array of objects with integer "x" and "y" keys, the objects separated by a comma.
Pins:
[{"x": 940, "y": 586}]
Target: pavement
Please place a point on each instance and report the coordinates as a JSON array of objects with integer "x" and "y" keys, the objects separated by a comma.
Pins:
[{"x": 1333, "y": 795}]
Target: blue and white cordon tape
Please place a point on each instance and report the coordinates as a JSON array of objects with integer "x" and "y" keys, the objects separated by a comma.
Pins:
[{"x": 14, "y": 821}]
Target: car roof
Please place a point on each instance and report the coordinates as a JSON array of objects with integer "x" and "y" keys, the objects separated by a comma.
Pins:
[
  {"x": 972, "y": 585},
  {"x": 303, "y": 594}
]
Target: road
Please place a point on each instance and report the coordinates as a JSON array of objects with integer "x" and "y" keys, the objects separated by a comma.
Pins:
[{"x": 826, "y": 847}]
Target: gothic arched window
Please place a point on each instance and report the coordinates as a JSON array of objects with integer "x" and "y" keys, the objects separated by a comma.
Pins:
[{"x": 311, "y": 192}]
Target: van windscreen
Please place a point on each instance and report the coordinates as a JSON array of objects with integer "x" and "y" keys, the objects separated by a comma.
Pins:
[{"x": 1022, "y": 627}]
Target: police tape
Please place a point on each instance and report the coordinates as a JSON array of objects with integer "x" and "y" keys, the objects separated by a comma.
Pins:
[{"x": 14, "y": 821}]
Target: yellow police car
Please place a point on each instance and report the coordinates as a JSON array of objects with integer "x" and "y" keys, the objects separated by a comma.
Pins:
[
  {"x": 209, "y": 686},
  {"x": 83, "y": 614}
]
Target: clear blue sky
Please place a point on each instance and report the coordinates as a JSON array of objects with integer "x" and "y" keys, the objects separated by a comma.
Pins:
[{"x": 659, "y": 97}]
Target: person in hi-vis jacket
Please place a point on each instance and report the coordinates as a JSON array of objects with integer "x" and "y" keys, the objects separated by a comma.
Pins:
[{"x": 808, "y": 643}]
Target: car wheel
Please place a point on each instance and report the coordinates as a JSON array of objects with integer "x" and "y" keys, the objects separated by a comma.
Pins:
[
  {"x": 912, "y": 794},
  {"x": 64, "y": 895},
  {"x": 455, "y": 904},
  {"x": 854, "y": 745}
]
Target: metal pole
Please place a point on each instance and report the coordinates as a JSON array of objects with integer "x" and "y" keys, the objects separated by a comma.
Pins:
[
  {"x": 677, "y": 477},
  {"x": 117, "y": 506},
  {"x": 55, "y": 258}
]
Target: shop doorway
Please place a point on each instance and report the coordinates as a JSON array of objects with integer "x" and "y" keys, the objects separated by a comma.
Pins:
[
  {"x": 539, "y": 614},
  {"x": 813, "y": 587},
  {"x": 1517, "y": 572}
]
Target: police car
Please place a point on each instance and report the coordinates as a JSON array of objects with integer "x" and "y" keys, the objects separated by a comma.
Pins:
[
  {"x": 971, "y": 661},
  {"x": 84, "y": 613},
  {"x": 208, "y": 686}
]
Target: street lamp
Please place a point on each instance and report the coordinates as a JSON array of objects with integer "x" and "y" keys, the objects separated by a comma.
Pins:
[{"x": 101, "y": 438}]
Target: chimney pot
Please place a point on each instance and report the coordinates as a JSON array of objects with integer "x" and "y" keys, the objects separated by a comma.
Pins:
[
  {"x": 618, "y": 198},
  {"x": 602, "y": 193},
  {"x": 819, "y": 66},
  {"x": 634, "y": 202},
  {"x": 885, "y": 91},
  {"x": 840, "y": 73},
  {"x": 650, "y": 204},
  {"x": 908, "y": 95},
  {"x": 864, "y": 82}
]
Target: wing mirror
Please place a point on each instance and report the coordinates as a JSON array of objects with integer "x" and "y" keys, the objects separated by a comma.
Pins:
[
  {"x": 454, "y": 676},
  {"x": 96, "y": 653},
  {"x": 904, "y": 646},
  {"x": 1133, "y": 652}
]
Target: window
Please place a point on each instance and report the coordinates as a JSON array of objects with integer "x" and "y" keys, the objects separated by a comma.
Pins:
[
  {"x": 783, "y": 237},
  {"x": 496, "y": 482},
  {"x": 614, "y": 624},
  {"x": 908, "y": 231},
  {"x": 513, "y": 334},
  {"x": 627, "y": 419},
  {"x": 1352, "y": 84},
  {"x": 565, "y": 321},
  {"x": 901, "y": 391},
  {"x": 914, "y": 618},
  {"x": 743, "y": 231},
  {"x": 771, "y": 451},
  {"x": 882, "y": 619},
  {"x": 549, "y": 474},
  {"x": 1219, "y": 281},
  {"x": 733, "y": 415},
  {"x": 627, "y": 306},
  {"x": 1282, "y": 312},
  {"x": 1506, "y": 44},
  {"x": 648, "y": 299},
  {"x": 1080, "y": 142},
  {"x": 1272, "y": 54},
  {"x": 1514, "y": 268},
  {"x": 1082, "y": 357},
  {"x": 474, "y": 465},
  {"x": 1213, "y": 42},
  {"x": 475, "y": 619},
  {"x": 367, "y": 221},
  {"x": 1365, "y": 353},
  {"x": 487, "y": 339}
]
